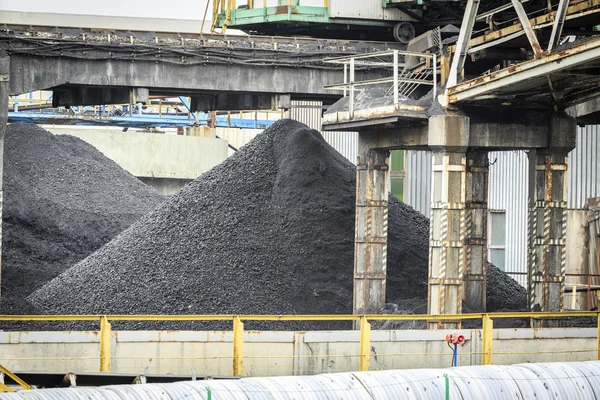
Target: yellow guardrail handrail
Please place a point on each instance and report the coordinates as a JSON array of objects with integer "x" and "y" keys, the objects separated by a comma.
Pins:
[
  {"x": 365, "y": 328},
  {"x": 15, "y": 378}
]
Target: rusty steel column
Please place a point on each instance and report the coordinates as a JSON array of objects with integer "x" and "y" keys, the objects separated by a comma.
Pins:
[
  {"x": 547, "y": 230},
  {"x": 371, "y": 226},
  {"x": 475, "y": 240}
]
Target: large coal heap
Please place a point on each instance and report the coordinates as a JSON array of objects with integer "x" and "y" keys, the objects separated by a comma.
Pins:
[
  {"x": 269, "y": 231},
  {"x": 63, "y": 200}
]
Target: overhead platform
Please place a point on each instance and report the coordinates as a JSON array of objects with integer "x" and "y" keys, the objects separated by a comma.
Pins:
[{"x": 523, "y": 82}]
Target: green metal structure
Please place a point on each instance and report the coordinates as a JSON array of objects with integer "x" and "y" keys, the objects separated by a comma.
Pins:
[{"x": 319, "y": 18}]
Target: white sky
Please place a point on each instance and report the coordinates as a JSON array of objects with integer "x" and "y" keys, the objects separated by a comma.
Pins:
[{"x": 178, "y": 9}]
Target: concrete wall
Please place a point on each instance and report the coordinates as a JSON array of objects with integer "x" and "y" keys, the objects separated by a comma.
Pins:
[
  {"x": 167, "y": 162},
  {"x": 283, "y": 353}
]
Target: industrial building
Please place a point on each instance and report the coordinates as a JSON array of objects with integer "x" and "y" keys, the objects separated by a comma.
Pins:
[{"x": 300, "y": 199}]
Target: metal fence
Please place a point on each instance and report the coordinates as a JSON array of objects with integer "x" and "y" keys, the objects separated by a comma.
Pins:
[{"x": 481, "y": 352}]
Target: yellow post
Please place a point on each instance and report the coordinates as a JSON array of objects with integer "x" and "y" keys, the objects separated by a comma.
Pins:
[
  {"x": 365, "y": 344},
  {"x": 598, "y": 319},
  {"x": 250, "y": 4},
  {"x": 104, "y": 345},
  {"x": 487, "y": 333},
  {"x": 15, "y": 378},
  {"x": 238, "y": 346}
]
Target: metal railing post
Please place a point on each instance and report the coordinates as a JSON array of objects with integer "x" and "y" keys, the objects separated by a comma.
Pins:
[
  {"x": 345, "y": 79},
  {"x": 238, "y": 346},
  {"x": 104, "y": 345},
  {"x": 395, "y": 68},
  {"x": 487, "y": 339},
  {"x": 434, "y": 76},
  {"x": 598, "y": 321},
  {"x": 365, "y": 344},
  {"x": 351, "y": 99}
]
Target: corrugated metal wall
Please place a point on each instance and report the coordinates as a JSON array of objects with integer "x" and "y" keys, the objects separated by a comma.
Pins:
[
  {"x": 369, "y": 9},
  {"x": 508, "y": 191},
  {"x": 417, "y": 192},
  {"x": 584, "y": 167},
  {"x": 310, "y": 113}
]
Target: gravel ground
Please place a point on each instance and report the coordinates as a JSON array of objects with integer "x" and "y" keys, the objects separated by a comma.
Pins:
[
  {"x": 269, "y": 231},
  {"x": 63, "y": 200}
]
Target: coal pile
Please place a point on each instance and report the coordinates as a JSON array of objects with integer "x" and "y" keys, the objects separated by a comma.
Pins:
[
  {"x": 269, "y": 231},
  {"x": 63, "y": 200}
]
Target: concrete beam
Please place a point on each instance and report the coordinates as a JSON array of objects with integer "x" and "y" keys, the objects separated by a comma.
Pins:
[
  {"x": 413, "y": 137},
  {"x": 88, "y": 96},
  {"x": 587, "y": 113},
  {"x": 34, "y": 73},
  {"x": 240, "y": 101}
]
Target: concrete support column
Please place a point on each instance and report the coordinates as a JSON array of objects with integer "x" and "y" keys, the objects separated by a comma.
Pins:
[
  {"x": 371, "y": 226},
  {"x": 475, "y": 240},
  {"x": 547, "y": 230},
  {"x": 447, "y": 234},
  {"x": 4, "y": 93},
  {"x": 548, "y": 217},
  {"x": 448, "y": 138}
]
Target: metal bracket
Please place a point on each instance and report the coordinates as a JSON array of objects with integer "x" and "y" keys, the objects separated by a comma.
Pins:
[{"x": 4, "y": 77}]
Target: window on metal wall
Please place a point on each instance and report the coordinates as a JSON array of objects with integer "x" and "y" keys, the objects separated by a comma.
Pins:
[
  {"x": 497, "y": 238},
  {"x": 398, "y": 173}
]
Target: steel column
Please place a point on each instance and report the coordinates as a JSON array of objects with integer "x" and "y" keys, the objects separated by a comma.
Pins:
[
  {"x": 370, "y": 242},
  {"x": 475, "y": 241},
  {"x": 447, "y": 236},
  {"x": 4, "y": 92},
  {"x": 547, "y": 230},
  {"x": 559, "y": 22},
  {"x": 462, "y": 45},
  {"x": 529, "y": 32}
]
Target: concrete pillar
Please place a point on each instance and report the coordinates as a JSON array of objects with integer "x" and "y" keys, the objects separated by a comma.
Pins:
[
  {"x": 548, "y": 217},
  {"x": 447, "y": 233},
  {"x": 448, "y": 138},
  {"x": 547, "y": 230},
  {"x": 475, "y": 240},
  {"x": 371, "y": 225},
  {"x": 4, "y": 93}
]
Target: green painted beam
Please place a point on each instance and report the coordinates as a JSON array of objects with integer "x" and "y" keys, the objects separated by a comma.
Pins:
[{"x": 292, "y": 14}]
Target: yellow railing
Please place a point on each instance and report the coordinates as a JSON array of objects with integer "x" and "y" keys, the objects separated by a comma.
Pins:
[{"x": 365, "y": 328}]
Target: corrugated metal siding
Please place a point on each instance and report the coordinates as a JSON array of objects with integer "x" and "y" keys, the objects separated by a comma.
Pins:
[
  {"x": 307, "y": 112},
  {"x": 365, "y": 9},
  {"x": 310, "y": 113},
  {"x": 417, "y": 193},
  {"x": 584, "y": 167},
  {"x": 508, "y": 190},
  {"x": 344, "y": 142},
  {"x": 237, "y": 137}
]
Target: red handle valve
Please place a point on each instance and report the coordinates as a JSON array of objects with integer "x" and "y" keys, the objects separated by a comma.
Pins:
[{"x": 455, "y": 339}]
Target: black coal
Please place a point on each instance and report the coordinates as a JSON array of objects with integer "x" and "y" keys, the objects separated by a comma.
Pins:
[
  {"x": 269, "y": 231},
  {"x": 63, "y": 200}
]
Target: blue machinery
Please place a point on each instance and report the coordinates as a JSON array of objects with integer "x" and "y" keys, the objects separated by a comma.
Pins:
[{"x": 137, "y": 115}]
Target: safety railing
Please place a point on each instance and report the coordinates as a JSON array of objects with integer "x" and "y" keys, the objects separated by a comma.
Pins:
[
  {"x": 364, "y": 353},
  {"x": 403, "y": 83}
]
